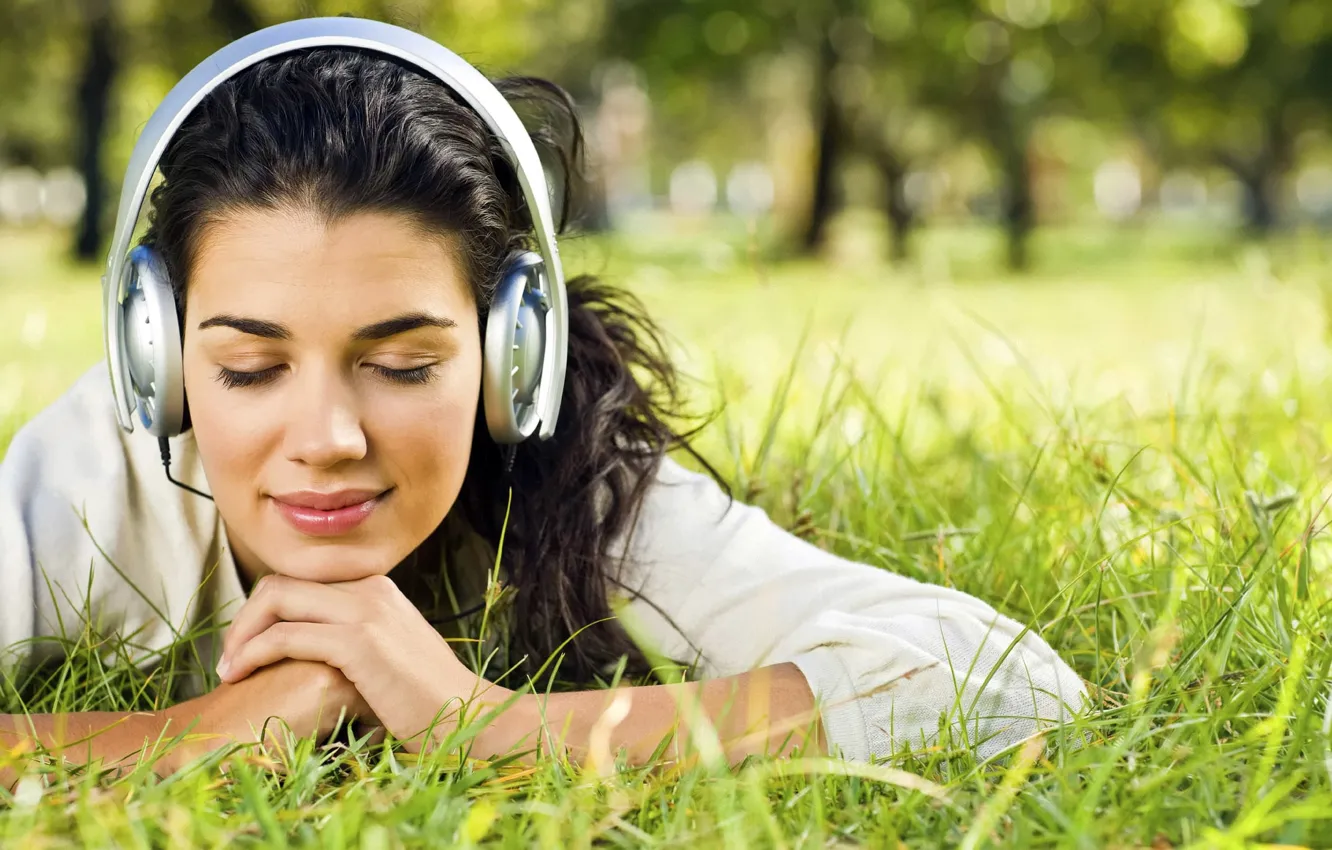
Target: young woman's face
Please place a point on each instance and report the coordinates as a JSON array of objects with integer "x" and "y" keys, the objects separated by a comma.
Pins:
[{"x": 333, "y": 373}]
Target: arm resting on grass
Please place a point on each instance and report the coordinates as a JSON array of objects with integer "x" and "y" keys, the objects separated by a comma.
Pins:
[
  {"x": 764, "y": 711},
  {"x": 768, "y": 710},
  {"x": 115, "y": 738}
]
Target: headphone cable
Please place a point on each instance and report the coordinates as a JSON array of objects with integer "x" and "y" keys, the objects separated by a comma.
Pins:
[
  {"x": 164, "y": 446},
  {"x": 434, "y": 621}
]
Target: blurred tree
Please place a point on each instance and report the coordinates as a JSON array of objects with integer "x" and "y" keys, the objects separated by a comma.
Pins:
[
  {"x": 882, "y": 86},
  {"x": 101, "y": 67},
  {"x": 699, "y": 58},
  {"x": 995, "y": 69},
  {"x": 1223, "y": 82},
  {"x": 174, "y": 37},
  {"x": 900, "y": 84},
  {"x": 38, "y": 61},
  {"x": 990, "y": 71},
  {"x": 882, "y": 74},
  {"x": 830, "y": 123},
  {"x": 178, "y": 34},
  {"x": 234, "y": 17},
  {"x": 556, "y": 41}
]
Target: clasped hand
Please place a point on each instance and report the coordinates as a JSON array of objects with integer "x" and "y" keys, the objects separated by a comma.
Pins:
[{"x": 404, "y": 670}]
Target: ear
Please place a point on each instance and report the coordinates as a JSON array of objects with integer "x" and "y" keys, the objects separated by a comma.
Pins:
[
  {"x": 151, "y": 335},
  {"x": 514, "y": 345}
]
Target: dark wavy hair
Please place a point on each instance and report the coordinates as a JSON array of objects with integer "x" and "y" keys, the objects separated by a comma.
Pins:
[{"x": 342, "y": 130}]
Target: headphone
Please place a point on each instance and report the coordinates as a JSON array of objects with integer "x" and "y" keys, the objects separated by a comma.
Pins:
[{"x": 527, "y": 330}]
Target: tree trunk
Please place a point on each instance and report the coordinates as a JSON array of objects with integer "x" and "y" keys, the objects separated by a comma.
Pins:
[
  {"x": 831, "y": 144},
  {"x": 590, "y": 213},
  {"x": 93, "y": 99},
  {"x": 901, "y": 218},
  {"x": 1261, "y": 176},
  {"x": 1259, "y": 200},
  {"x": 589, "y": 210},
  {"x": 234, "y": 17},
  {"x": 1019, "y": 209},
  {"x": 1006, "y": 128}
]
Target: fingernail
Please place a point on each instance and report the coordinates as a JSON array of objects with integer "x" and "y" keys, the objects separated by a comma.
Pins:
[{"x": 222, "y": 668}]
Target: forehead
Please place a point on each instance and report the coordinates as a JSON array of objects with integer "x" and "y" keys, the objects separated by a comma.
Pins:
[{"x": 295, "y": 261}]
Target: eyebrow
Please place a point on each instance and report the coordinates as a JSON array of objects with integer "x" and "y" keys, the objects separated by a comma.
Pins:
[
  {"x": 379, "y": 330},
  {"x": 402, "y": 324}
]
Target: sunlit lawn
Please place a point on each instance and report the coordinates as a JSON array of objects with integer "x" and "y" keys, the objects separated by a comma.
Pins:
[{"x": 1127, "y": 449}]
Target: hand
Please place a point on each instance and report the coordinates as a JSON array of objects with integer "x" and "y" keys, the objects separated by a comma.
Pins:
[
  {"x": 366, "y": 628},
  {"x": 307, "y": 695}
]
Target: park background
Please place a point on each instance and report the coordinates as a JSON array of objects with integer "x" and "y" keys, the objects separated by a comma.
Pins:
[{"x": 1025, "y": 297}]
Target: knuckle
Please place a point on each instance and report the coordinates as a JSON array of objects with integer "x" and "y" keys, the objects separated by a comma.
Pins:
[
  {"x": 324, "y": 678},
  {"x": 336, "y": 683},
  {"x": 364, "y": 633},
  {"x": 381, "y": 585},
  {"x": 330, "y": 676},
  {"x": 317, "y": 672}
]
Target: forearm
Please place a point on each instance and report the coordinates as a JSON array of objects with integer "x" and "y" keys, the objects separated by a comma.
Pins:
[
  {"x": 115, "y": 738},
  {"x": 770, "y": 710}
]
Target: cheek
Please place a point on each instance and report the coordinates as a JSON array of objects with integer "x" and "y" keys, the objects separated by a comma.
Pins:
[
  {"x": 423, "y": 439},
  {"x": 233, "y": 438}
]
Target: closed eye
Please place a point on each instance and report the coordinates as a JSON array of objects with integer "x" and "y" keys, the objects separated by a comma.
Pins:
[
  {"x": 232, "y": 379},
  {"x": 418, "y": 375}
]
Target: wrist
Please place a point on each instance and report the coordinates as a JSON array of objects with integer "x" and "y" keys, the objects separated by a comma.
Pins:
[
  {"x": 517, "y": 727},
  {"x": 190, "y": 722},
  {"x": 542, "y": 725},
  {"x": 497, "y": 733}
]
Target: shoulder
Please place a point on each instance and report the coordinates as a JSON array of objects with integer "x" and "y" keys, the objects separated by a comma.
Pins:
[
  {"x": 87, "y": 516},
  {"x": 688, "y": 532},
  {"x": 691, "y": 540},
  {"x": 69, "y": 452},
  {"x": 681, "y": 508},
  {"x": 75, "y": 451},
  {"x": 73, "y": 421}
]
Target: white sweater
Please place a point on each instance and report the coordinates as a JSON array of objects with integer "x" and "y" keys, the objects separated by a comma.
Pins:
[{"x": 883, "y": 654}]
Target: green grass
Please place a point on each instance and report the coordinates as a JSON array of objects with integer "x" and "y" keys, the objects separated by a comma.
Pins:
[{"x": 1129, "y": 449}]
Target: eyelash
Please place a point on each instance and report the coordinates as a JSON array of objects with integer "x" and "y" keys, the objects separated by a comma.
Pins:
[{"x": 234, "y": 380}]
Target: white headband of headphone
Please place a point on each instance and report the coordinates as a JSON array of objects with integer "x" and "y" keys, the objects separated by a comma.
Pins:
[{"x": 430, "y": 58}]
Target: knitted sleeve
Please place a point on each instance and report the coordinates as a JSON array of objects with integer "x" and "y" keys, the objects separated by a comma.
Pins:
[
  {"x": 887, "y": 657},
  {"x": 92, "y": 533}
]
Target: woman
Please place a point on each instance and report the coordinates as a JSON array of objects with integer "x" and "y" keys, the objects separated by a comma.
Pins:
[{"x": 333, "y": 223}]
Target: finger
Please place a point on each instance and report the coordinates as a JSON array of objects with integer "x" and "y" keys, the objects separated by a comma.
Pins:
[
  {"x": 299, "y": 640},
  {"x": 279, "y": 598}
]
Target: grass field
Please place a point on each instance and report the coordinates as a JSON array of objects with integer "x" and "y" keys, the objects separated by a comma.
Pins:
[{"x": 1128, "y": 448}]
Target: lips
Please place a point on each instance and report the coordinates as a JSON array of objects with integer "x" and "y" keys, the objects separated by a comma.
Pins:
[
  {"x": 328, "y": 514},
  {"x": 326, "y": 501}
]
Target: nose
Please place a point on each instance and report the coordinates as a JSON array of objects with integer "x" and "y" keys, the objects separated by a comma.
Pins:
[{"x": 323, "y": 420}]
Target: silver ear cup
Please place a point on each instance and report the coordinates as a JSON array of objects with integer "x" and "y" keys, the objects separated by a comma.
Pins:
[
  {"x": 151, "y": 338},
  {"x": 515, "y": 350}
]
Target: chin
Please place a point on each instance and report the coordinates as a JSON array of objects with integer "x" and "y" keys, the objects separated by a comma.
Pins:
[{"x": 333, "y": 563}]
